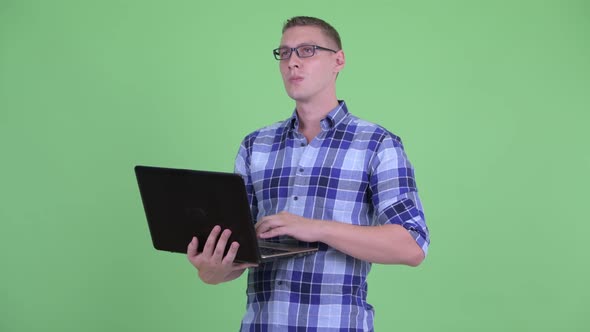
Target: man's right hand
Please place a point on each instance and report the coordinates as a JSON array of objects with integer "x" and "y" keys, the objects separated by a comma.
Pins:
[{"x": 212, "y": 266}]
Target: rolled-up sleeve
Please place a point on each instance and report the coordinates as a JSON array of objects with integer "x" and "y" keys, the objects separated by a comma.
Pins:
[{"x": 394, "y": 192}]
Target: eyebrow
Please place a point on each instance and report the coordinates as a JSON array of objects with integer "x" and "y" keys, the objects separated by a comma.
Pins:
[{"x": 300, "y": 44}]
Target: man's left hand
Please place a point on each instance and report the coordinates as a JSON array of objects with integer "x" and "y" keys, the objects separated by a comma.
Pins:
[{"x": 285, "y": 223}]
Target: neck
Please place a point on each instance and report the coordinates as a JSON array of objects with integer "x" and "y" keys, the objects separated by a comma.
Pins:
[{"x": 311, "y": 114}]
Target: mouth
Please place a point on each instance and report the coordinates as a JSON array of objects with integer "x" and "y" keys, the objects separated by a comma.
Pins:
[{"x": 295, "y": 79}]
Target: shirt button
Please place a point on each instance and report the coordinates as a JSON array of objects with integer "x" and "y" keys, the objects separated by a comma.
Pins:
[
  {"x": 301, "y": 170},
  {"x": 295, "y": 198},
  {"x": 279, "y": 282},
  {"x": 302, "y": 144}
]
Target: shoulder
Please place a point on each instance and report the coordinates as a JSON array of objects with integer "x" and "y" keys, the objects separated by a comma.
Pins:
[
  {"x": 369, "y": 131},
  {"x": 266, "y": 134}
]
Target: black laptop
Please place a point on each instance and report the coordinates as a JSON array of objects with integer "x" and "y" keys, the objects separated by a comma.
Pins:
[{"x": 180, "y": 204}]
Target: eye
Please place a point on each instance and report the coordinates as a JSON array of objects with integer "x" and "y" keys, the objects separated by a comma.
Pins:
[
  {"x": 283, "y": 52},
  {"x": 306, "y": 50}
]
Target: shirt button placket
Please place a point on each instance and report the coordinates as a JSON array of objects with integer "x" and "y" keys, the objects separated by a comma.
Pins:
[
  {"x": 300, "y": 172},
  {"x": 299, "y": 178}
]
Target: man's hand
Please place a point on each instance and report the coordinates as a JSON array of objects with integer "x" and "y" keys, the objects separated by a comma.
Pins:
[
  {"x": 212, "y": 266},
  {"x": 285, "y": 223}
]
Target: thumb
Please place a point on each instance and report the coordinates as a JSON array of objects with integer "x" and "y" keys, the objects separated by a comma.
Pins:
[{"x": 191, "y": 250}]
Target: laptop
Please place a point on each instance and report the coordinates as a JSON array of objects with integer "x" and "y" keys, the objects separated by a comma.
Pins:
[{"x": 181, "y": 203}]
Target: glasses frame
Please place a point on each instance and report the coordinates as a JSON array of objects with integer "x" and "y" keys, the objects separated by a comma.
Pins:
[{"x": 277, "y": 55}]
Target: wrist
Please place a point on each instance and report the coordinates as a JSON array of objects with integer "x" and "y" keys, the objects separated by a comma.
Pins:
[{"x": 322, "y": 229}]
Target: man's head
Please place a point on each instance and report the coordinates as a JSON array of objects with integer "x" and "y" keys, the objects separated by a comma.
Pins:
[
  {"x": 310, "y": 58},
  {"x": 327, "y": 29}
]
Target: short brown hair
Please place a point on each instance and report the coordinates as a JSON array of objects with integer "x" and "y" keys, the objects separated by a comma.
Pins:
[{"x": 327, "y": 29}]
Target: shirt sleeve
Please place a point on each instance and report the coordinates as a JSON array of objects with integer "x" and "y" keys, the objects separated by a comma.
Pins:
[
  {"x": 242, "y": 167},
  {"x": 394, "y": 191}
]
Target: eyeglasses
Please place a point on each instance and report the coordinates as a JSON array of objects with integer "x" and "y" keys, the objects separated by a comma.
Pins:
[{"x": 303, "y": 51}]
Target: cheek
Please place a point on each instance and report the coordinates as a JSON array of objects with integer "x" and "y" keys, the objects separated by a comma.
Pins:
[
  {"x": 283, "y": 69},
  {"x": 283, "y": 65}
]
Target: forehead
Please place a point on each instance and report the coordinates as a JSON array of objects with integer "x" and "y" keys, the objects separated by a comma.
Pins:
[{"x": 303, "y": 35}]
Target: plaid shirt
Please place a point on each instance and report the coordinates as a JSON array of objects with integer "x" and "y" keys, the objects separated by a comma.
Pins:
[{"x": 353, "y": 172}]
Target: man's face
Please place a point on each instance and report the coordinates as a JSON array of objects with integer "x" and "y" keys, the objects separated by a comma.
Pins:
[{"x": 310, "y": 78}]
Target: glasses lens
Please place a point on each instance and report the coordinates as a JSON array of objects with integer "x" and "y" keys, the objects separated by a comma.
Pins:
[
  {"x": 282, "y": 53},
  {"x": 305, "y": 51}
]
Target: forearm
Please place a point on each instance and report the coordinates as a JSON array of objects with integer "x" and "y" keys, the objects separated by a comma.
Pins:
[{"x": 386, "y": 244}]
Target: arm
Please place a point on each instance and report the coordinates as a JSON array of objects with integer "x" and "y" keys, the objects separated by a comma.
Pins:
[
  {"x": 212, "y": 266},
  {"x": 398, "y": 233},
  {"x": 387, "y": 244}
]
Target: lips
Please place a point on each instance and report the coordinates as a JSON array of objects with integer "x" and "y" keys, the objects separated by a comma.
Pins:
[{"x": 295, "y": 79}]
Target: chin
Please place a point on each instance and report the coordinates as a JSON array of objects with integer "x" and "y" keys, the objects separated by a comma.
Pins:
[
  {"x": 294, "y": 96},
  {"x": 297, "y": 95}
]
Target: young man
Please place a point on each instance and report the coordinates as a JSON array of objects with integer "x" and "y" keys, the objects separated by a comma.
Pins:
[{"x": 326, "y": 176}]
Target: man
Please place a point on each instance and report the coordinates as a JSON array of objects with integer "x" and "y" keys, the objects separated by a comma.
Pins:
[{"x": 326, "y": 176}]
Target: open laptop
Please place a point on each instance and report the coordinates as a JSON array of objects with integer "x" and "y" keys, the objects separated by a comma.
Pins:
[{"x": 180, "y": 204}]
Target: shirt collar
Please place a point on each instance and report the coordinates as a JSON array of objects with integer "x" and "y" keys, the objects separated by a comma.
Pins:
[{"x": 332, "y": 120}]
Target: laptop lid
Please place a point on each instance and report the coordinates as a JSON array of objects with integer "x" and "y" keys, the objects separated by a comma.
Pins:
[{"x": 180, "y": 204}]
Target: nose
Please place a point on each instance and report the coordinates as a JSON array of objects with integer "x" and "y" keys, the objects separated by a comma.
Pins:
[{"x": 294, "y": 61}]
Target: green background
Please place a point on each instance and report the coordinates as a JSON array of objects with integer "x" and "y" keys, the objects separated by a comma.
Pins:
[{"x": 491, "y": 99}]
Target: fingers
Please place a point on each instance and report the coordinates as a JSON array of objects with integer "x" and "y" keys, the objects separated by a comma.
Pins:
[
  {"x": 213, "y": 248},
  {"x": 282, "y": 223},
  {"x": 265, "y": 224},
  {"x": 211, "y": 240},
  {"x": 213, "y": 251},
  {"x": 221, "y": 244},
  {"x": 268, "y": 233},
  {"x": 280, "y": 219},
  {"x": 243, "y": 266},
  {"x": 261, "y": 227},
  {"x": 231, "y": 254},
  {"x": 269, "y": 227},
  {"x": 191, "y": 250}
]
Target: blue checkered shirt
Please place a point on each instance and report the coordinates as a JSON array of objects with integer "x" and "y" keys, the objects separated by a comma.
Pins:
[{"x": 353, "y": 172}]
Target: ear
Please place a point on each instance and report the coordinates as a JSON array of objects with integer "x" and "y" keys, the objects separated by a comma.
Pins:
[{"x": 340, "y": 61}]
